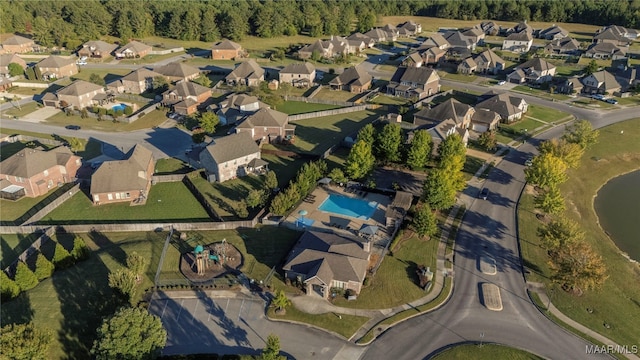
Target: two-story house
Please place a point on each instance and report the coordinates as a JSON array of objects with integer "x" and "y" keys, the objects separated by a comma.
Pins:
[
  {"x": 6, "y": 59},
  {"x": 133, "y": 50},
  {"x": 97, "y": 49},
  {"x": 298, "y": 75},
  {"x": 236, "y": 107},
  {"x": 79, "y": 94},
  {"x": 126, "y": 180},
  {"x": 322, "y": 48},
  {"x": 230, "y": 157},
  {"x": 177, "y": 71},
  {"x": 226, "y": 50},
  {"x": 354, "y": 79},
  {"x": 534, "y": 71},
  {"x": 185, "y": 97},
  {"x": 414, "y": 83},
  {"x": 409, "y": 29},
  {"x": 601, "y": 82},
  {"x": 247, "y": 73},
  {"x": 606, "y": 50},
  {"x": 356, "y": 36},
  {"x": 267, "y": 125},
  {"x": 509, "y": 107},
  {"x": 33, "y": 173},
  {"x": 450, "y": 109},
  {"x": 519, "y": 42},
  {"x": 489, "y": 62},
  {"x": 564, "y": 46},
  {"x": 135, "y": 82},
  {"x": 57, "y": 67},
  {"x": 18, "y": 45},
  {"x": 554, "y": 32}
]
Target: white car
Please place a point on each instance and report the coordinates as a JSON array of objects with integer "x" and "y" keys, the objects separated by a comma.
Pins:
[
  {"x": 81, "y": 63},
  {"x": 501, "y": 82}
]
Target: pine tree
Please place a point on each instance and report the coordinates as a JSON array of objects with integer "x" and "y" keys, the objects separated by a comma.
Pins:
[
  {"x": 137, "y": 264},
  {"x": 61, "y": 257},
  {"x": 8, "y": 288},
  {"x": 25, "y": 278},
  {"x": 44, "y": 267}
]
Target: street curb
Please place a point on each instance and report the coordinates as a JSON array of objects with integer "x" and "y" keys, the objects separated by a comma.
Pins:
[{"x": 305, "y": 324}]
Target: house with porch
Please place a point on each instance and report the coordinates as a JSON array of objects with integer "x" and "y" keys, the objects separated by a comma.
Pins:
[
  {"x": 414, "y": 83},
  {"x": 354, "y": 79},
  {"x": 247, "y": 73},
  {"x": 298, "y": 75},
  {"x": 17, "y": 44},
  {"x": 226, "y": 50},
  {"x": 232, "y": 156},
  {"x": 57, "y": 67},
  {"x": 267, "y": 125},
  {"x": 322, "y": 261},
  {"x": 97, "y": 49},
  {"x": 79, "y": 94},
  {"x": 133, "y": 50},
  {"x": 185, "y": 97},
  {"x": 126, "y": 180},
  {"x": 33, "y": 172},
  {"x": 509, "y": 107},
  {"x": 534, "y": 71}
]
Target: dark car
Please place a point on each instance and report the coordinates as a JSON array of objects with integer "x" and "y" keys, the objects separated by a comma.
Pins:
[
  {"x": 484, "y": 194},
  {"x": 72, "y": 127}
]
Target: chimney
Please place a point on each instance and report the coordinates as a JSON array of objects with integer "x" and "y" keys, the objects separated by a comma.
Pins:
[{"x": 366, "y": 245}]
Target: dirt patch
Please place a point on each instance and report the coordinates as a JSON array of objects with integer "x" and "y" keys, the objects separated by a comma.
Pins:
[{"x": 373, "y": 260}]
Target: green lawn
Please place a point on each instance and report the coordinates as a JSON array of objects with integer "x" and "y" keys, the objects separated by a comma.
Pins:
[
  {"x": 523, "y": 124},
  {"x": 471, "y": 166},
  {"x": 540, "y": 93},
  {"x": 389, "y": 100},
  {"x": 154, "y": 118},
  {"x": 171, "y": 166},
  {"x": 300, "y": 107},
  {"x": 345, "y": 325},
  {"x": 150, "y": 59},
  {"x": 335, "y": 95},
  {"x": 318, "y": 134},
  {"x": 226, "y": 197},
  {"x": 629, "y": 101},
  {"x": 167, "y": 202},
  {"x": 616, "y": 303},
  {"x": 485, "y": 352},
  {"x": 20, "y": 90},
  {"x": 22, "y": 110},
  {"x": 545, "y": 113},
  {"x": 395, "y": 283},
  {"x": 457, "y": 77},
  {"x": 285, "y": 167},
  {"x": 107, "y": 73}
]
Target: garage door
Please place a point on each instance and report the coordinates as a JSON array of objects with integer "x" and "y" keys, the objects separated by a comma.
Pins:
[{"x": 479, "y": 127}]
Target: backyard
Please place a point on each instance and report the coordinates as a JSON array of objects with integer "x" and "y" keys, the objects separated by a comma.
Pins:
[
  {"x": 107, "y": 73},
  {"x": 162, "y": 205},
  {"x": 616, "y": 302},
  {"x": 154, "y": 118},
  {"x": 300, "y": 107}
]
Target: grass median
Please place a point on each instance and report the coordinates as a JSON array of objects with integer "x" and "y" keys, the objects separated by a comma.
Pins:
[
  {"x": 485, "y": 352},
  {"x": 343, "y": 324}
]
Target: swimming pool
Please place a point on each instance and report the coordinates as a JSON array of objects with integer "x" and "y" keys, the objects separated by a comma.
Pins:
[
  {"x": 343, "y": 205},
  {"x": 119, "y": 107}
]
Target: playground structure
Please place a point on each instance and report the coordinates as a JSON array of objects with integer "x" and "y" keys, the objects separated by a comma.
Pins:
[
  {"x": 206, "y": 262},
  {"x": 208, "y": 257}
]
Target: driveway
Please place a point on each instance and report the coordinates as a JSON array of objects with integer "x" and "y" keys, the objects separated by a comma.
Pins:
[
  {"x": 40, "y": 114},
  {"x": 226, "y": 322}
]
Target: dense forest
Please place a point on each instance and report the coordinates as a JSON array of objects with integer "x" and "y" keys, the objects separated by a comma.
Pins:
[{"x": 69, "y": 23}]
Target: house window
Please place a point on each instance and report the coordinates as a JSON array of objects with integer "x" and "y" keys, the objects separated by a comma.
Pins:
[
  {"x": 339, "y": 284},
  {"x": 96, "y": 198},
  {"x": 109, "y": 196},
  {"x": 78, "y": 162},
  {"x": 46, "y": 173},
  {"x": 117, "y": 196},
  {"x": 19, "y": 179},
  {"x": 126, "y": 195}
]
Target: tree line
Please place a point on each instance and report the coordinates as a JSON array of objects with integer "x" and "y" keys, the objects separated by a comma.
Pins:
[{"x": 70, "y": 23}]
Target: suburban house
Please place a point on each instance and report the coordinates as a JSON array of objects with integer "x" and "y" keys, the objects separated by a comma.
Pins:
[
  {"x": 614, "y": 34},
  {"x": 177, "y": 71},
  {"x": 409, "y": 29},
  {"x": 57, "y": 67},
  {"x": 520, "y": 27},
  {"x": 554, "y": 32},
  {"x": 6, "y": 59},
  {"x": 379, "y": 35},
  {"x": 445, "y": 129},
  {"x": 323, "y": 48},
  {"x": 354, "y": 79},
  {"x": 133, "y": 50},
  {"x": 432, "y": 55},
  {"x": 230, "y": 157},
  {"x": 629, "y": 76},
  {"x": 413, "y": 60},
  {"x": 5, "y": 83},
  {"x": 460, "y": 44},
  {"x": 605, "y": 50},
  {"x": 33, "y": 172},
  {"x": 475, "y": 34},
  {"x": 368, "y": 42},
  {"x": 490, "y": 28},
  {"x": 467, "y": 66},
  {"x": 518, "y": 42},
  {"x": 564, "y": 46},
  {"x": 484, "y": 120},
  {"x": 18, "y": 45},
  {"x": 451, "y": 109},
  {"x": 391, "y": 29},
  {"x": 267, "y": 125},
  {"x": 185, "y": 97},
  {"x": 79, "y": 94},
  {"x": 247, "y": 73},
  {"x": 601, "y": 82},
  {"x": 436, "y": 40},
  {"x": 235, "y": 107},
  {"x": 97, "y": 49},
  {"x": 414, "y": 82},
  {"x": 570, "y": 86},
  {"x": 488, "y": 62},
  {"x": 135, "y": 82},
  {"x": 298, "y": 75},
  {"x": 509, "y": 107},
  {"x": 534, "y": 71},
  {"x": 322, "y": 261},
  {"x": 226, "y": 50}
]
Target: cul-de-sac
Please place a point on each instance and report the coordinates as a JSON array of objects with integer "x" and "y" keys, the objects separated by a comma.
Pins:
[{"x": 319, "y": 179}]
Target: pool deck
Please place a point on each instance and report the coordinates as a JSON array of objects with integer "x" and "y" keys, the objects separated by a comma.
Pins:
[{"x": 341, "y": 224}]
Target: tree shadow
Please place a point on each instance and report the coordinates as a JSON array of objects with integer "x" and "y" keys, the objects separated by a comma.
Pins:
[
  {"x": 106, "y": 245},
  {"x": 17, "y": 310}
]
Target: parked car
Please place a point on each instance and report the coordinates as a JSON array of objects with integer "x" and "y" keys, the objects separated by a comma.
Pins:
[
  {"x": 81, "y": 63},
  {"x": 528, "y": 162},
  {"x": 501, "y": 82},
  {"x": 597, "y": 96},
  {"x": 72, "y": 127},
  {"x": 612, "y": 101},
  {"x": 484, "y": 194}
]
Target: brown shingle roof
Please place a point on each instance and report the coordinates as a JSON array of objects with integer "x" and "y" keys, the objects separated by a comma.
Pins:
[
  {"x": 232, "y": 147},
  {"x": 79, "y": 87},
  {"x": 54, "y": 61},
  {"x": 300, "y": 68},
  {"x": 135, "y": 47},
  {"x": 352, "y": 76},
  {"x": 187, "y": 88},
  {"x": 265, "y": 117},
  {"x": 17, "y": 40},
  {"x": 247, "y": 69},
  {"x": 140, "y": 74},
  {"x": 177, "y": 69},
  {"x": 100, "y": 45},
  {"x": 123, "y": 175},
  {"x": 450, "y": 109},
  {"x": 226, "y": 45},
  {"x": 29, "y": 162}
]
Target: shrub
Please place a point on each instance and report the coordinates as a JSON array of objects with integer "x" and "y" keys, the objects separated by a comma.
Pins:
[
  {"x": 119, "y": 112},
  {"x": 61, "y": 257},
  {"x": 8, "y": 288},
  {"x": 25, "y": 278},
  {"x": 80, "y": 250},
  {"x": 44, "y": 268},
  {"x": 128, "y": 110}
]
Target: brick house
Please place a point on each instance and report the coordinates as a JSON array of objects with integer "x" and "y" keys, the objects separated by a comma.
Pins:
[
  {"x": 97, "y": 49},
  {"x": 231, "y": 156},
  {"x": 6, "y": 59},
  {"x": 37, "y": 171},
  {"x": 226, "y": 50},
  {"x": 133, "y": 50},
  {"x": 298, "y": 75},
  {"x": 135, "y": 82},
  {"x": 123, "y": 180},
  {"x": 57, "y": 67},
  {"x": 322, "y": 261},
  {"x": 354, "y": 79},
  {"x": 267, "y": 125},
  {"x": 79, "y": 94},
  {"x": 510, "y": 108},
  {"x": 451, "y": 109},
  {"x": 177, "y": 71},
  {"x": 467, "y": 66},
  {"x": 235, "y": 107},
  {"x": 247, "y": 73},
  {"x": 185, "y": 97},
  {"x": 414, "y": 83},
  {"x": 18, "y": 45}
]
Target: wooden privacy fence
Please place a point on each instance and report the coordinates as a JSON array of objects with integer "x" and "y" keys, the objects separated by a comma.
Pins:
[
  {"x": 35, "y": 246},
  {"x": 318, "y": 101},
  {"x": 53, "y": 204},
  {"x": 327, "y": 113}
]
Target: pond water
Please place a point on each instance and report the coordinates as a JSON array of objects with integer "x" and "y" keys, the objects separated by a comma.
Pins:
[{"x": 617, "y": 205}]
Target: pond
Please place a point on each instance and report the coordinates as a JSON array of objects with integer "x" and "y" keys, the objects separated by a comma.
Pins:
[{"x": 617, "y": 205}]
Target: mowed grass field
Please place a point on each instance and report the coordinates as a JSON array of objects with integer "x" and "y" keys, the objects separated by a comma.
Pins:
[
  {"x": 300, "y": 107},
  {"x": 485, "y": 352},
  {"x": 166, "y": 202},
  {"x": 616, "y": 302},
  {"x": 154, "y": 118}
]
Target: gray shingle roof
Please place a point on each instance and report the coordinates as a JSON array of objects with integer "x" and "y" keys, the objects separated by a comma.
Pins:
[
  {"x": 79, "y": 87},
  {"x": 135, "y": 47},
  {"x": 227, "y": 45},
  {"x": 450, "y": 109},
  {"x": 140, "y": 74},
  {"x": 299, "y": 68},
  {"x": 99, "y": 45},
  {"x": 503, "y": 104},
  {"x": 29, "y": 162},
  {"x": 419, "y": 75},
  {"x": 187, "y": 88},
  {"x": 123, "y": 175},
  {"x": 247, "y": 69},
  {"x": 536, "y": 64},
  {"x": 232, "y": 147},
  {"x": 352, "y": 76},
  {"x": 177, "y": 69},
  {"x": 265, "y": 117},
  {"x": 54, "y": 61}
]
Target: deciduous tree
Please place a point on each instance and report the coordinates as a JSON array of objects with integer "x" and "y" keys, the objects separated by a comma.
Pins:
[
  {"x": 24, "y": 342},
  {"x": 208, "y": 121},
  {"x": 439, "y": 189},
  {"x": 388, "y": 142},
  {"x": 559, "y": 233},
  {"x": 15, "y": 69},
  {"x": 550, "y": 201},
  {"x": 360, "y": 161},
  {"x": 96, "y": 79},
  {"x": 452, "y": 153},
  {"x": 137, "y": 264},
  {"x": 581, "y": 133},
  {"x": 424, "y": 221},
  {"x": 367, "y": 134},
  {"x": 124, "y": 282},
  {"x": 546, "y": 170},
  {"x": 578, "y": 267},
  {"x": 281, "y": 301},
  {"x": 270, "y": 180},
  {"x": 570, "y": 153},
  {"x": 488, "y": 140},
  {"x": 256, "y": 198},
  {"x": 337, "y": 175},
  {"x": 131, "y": 333},
  {"x": 419, "y": 150}
]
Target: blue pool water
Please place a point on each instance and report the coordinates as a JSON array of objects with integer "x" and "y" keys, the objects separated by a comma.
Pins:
[
  {"x": 119, "y": 107},
  {"x": 347, "y": 206}
]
